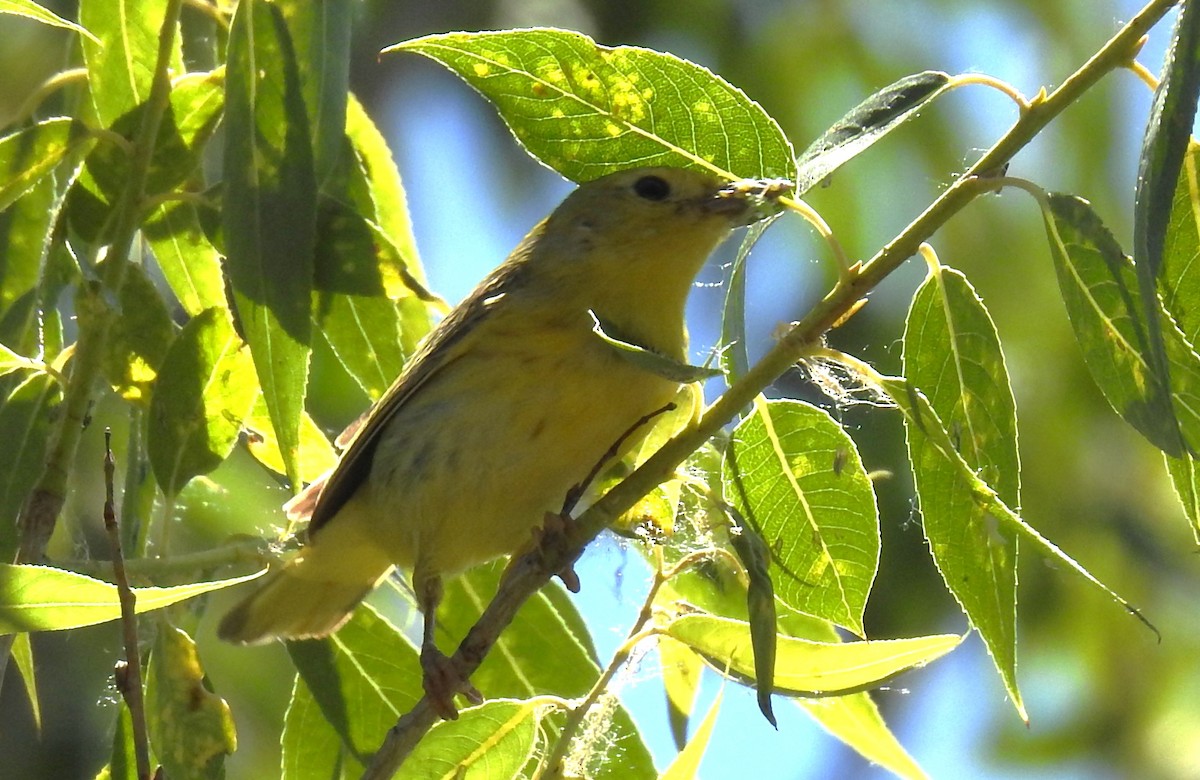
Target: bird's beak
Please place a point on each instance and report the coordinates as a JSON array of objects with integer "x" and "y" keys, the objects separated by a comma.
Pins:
[{"x": 746, "y": 201}]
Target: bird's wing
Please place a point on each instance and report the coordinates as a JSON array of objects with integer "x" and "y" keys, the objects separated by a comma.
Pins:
[{"x": 445, "y": 345}]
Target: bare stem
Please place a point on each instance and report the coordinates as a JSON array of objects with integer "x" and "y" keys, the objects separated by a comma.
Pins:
[
  {"x": 128, "y": 673},
  {"x": 532, "y": 571}
]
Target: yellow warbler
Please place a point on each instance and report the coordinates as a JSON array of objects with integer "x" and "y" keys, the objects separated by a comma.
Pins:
[{"x": 512, "y": 401}]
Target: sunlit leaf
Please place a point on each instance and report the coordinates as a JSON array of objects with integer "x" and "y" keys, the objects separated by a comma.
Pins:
[
  {"x": 139, "y": 337},
  {"x": 22, "y": 656},
  {"x": 809, "y": 668},
  {"x": 270, "y": 213},
  {"x": 952, "y": 353},
  {"x": 865, "y": 124},
  {"x": 1185, "y": 476},
  {"x": 819, "y": 522},
  {"x": 43, "y": 598},
  {"x": 312, "y": 749},
  {"x": 122, "y": 764},
  {"x": 203, "y": 394},
  {"x": 1100, "y": 289},
  {"x": 28, "y": 155},
  {"x": 31, "y": 10},
  {"x": 855, "y": 720},
  {"x": 681, "y": 669},
  {"x": 25, "y": 229},
  {"x": 191, "y": 725},
  {"x": 494, "y": 739},
  {"x": 587, "y": 110},
  {"x": 687, "y": 764},
  {"x": 121, "y": 56},
  {"x": 189, "y": 262},
  {"x": 317, "y": 455}
]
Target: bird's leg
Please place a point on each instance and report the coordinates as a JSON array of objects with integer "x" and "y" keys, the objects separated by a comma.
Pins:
[
  {"x": 551, "y": 541},
  {"x": 441, "y": 677}
]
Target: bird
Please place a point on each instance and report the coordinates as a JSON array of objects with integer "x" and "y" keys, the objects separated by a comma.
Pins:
[{"x": 513, "y": 400}]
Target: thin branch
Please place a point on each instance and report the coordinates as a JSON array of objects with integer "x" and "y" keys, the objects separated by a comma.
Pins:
[
  {"x": 532, "y": 571},
  {"x": 127, "y": 673}
]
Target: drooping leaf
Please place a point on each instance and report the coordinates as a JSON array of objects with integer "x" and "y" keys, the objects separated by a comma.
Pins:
[
  {"x": 687, "y": 764},
  {"x": 865, "y": 124},
  {"x": 734, "y": 358},
  {"x": 270, "y": 213},
  {"x": 1100, "y": 289},
  {"x": 819, "y": 522},
  {"x": 855, "y": 720},
  {"x": 952, "y": 353},
  {"x": 22, "y": 656},
  {"x": 43, "y": 598},
  {"x": 681, "y": 669},
  {"x": 809, "y": 668},
  {"x": 122, "y": 764},
  {"x": 203, "y": 393},
  {"x": 191, "y": 725},
  {"x": 1179, "y": 279},
  {"x": 587, "y": 110},
  {"x": 760, "y": 608}
]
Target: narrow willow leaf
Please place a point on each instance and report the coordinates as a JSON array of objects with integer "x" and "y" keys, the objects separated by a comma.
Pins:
[
  {"x": 121, "y": 56},
  {"x": 43, "y": 598},
  {"x": 651, "y": 361},
  {"x": 1179, "y": 280},
  {"x": 856, "y": 721},
  {"x": 681, "y": 670},
  {"x": 189, "y": 262},
  {"x": 734, "y": 358},
  {"x": 22, "y": 655},
  {"x": 317, "y": 455},
  {"x": 1185, "y": 476},
  {"x": 321, "y": 35},
  {"x": 31, "y": 10},
  {"x": 25, "y": 234},
  {"x": 312, "y": 749},
  {"x": 1164, "y": 144},
  {"x": 10, "y": 361},
  {"x": 139, "y": 338},
  {"x": 1100, "y": 289},
  {"x": 122, "y": 763},
  {"x": 865, "y": 124},
  {"x": 494, "y": 739},
  {"x": 270, "y": 213},
  {"x": 760, "y": 608},
  {"x": 204, "y": 391},
  {"x": 191, "y": 725},
  {"x": 363, "y": 678},
  {"x": 25, "y": 418},
  {"x": 30, "y": 154},
  {"x": 928, "y": 433},
  {"x": 587, "y": 110},
  {"x": 952, "y": 353},
  {"x": 367, "y": 336},
  {"x": 806, "y": 668},
  {"x": 687, "y": 764},
  {"x": 820, "y": 523}
]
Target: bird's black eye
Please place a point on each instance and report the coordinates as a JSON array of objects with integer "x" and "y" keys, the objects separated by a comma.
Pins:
[{"x": 652, "y": 188}]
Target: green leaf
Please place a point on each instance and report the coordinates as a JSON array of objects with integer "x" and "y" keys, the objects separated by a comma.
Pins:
[
  {"x": 865, "y": 124},
  {"x": 25, "y": 233},
  {"x": 760, "y": 607},
  {"x": 548, "y": 625},
  {"x": 1100, "y": 289},
  {"x": 363, "y": 678},
  {"x": 929, "y": 436},
  {"x": 651, "y": 361},
  {"x": 31, "y": 10},
  {"x": 820, "y": 522},
  {"x": 856, "y": 721},
  {"x": 189, "y": 262},
  {"x": 22, "y": 656},
  {"x": 30, "y": 154},
  {"x": 1185, "y": 476},
  {"x": 191, "y": 725},
  {"x": 139, "y": 338},
  {"x": 366, "y": 335},
  {"x": 588, "y": 110},
  {"x": 43, "y": 598},
  {"x": 321, "y": 35},
  {"x": 681, "y": 669},
  {"x": 952, "y": 353},
  {"x": 10, "y": 361},
  {"x": 687, "y": 764},
  {"x": 1179, "y": 281},
  {"x": 316, "y": 453},
  {"x": 312, "y": 749},
  {"x": 494, "y": 739},
  {"x": 806, "y": 668},
  {"x": 203, "y": 393},
  {"x": 122, "y": 764},
  {"x": 121, "y": 56},
  {"x": 270, "y": 213},
  {"x": 734, "y": 358},
  {"x": 25, "y": 418}
]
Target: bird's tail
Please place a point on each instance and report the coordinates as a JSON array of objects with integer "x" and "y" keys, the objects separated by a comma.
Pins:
[{"x": 312, "y": 594}]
